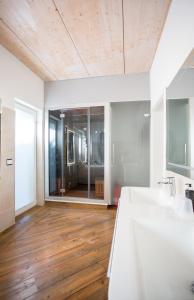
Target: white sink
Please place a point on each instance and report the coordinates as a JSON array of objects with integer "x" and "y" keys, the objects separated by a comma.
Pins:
[
  {"x": 152, "y": 255},
  {"x": 146, "y": 195},
  {"x": 158, "y": 197},
  {"x": 165, "y": 258}
]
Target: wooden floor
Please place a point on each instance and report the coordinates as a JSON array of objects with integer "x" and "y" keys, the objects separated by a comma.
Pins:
[
  {"x": 80, "y": 191},
  {"x": 57, "y": 252}
]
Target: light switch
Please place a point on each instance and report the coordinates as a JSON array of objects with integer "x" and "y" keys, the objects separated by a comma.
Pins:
[{"x": 9, "y": 161}]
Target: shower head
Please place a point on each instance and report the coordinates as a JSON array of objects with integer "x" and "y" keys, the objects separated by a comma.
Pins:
[
  {"x": 147, "y": 115},
  {"x": 62, "y": 115}
]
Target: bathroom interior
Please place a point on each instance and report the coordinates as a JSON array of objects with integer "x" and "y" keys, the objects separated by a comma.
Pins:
[
  {"x": 76, "y": 151},
  {"x": 97, "y": 150}
]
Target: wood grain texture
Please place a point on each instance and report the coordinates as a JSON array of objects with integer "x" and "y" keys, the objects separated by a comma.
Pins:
[
  {"x": 62, "y": 39},
  {"x": 57, "y": 252},
  {"x": 38, "y": 24},
  {"x": 143, "y": 24},
  {"x": 96, "y": 28},
  {"x": 14, "y": 45}
]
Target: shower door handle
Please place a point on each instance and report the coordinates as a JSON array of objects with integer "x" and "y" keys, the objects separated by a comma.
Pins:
[
  {"x": 113, "y": 153},
  {"x": 185, "y": 153}
]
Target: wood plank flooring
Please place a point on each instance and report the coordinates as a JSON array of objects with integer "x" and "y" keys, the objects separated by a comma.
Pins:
[{"x": 58, "y": 251}]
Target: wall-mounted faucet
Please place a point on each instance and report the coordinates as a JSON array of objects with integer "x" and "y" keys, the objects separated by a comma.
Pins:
[{"x": 171, "y": 182}]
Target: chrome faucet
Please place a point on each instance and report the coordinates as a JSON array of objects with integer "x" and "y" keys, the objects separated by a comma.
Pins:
[{"x": 171, "y": 182}]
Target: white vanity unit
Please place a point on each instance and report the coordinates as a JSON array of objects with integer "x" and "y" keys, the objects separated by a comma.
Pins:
[{"x": 152, "y": 256}]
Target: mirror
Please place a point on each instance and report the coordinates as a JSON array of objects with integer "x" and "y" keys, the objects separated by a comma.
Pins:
[
  {"x": 180, "y": 121},
  {"x": 70, "y": 147},
  {"x": 82, "y": 147}
]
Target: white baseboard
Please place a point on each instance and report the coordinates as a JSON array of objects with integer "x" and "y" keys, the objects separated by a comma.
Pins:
[
  {"x": 77, "y": 200},
  {"x": 25, "y": 208}
]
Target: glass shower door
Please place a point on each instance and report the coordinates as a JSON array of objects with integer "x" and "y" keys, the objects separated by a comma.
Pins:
[
  {"x": 130, "y": 139},
  {"x": 53, "y": 156},
  {"x": 76, "y": 153},
  {"x": 68, "y": 153},
  {"x": 76, "y": 145}
]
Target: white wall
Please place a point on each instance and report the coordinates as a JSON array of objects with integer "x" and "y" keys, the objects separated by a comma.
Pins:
[
  {"x": 176, "y": 43},
  {"x": 182, "y": 86},
  {"x": 16, "y": 81},
  {"x": 97, "y": 90}
]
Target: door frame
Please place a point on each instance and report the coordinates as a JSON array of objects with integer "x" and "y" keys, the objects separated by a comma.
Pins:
[{"x": 107, "y": 156}]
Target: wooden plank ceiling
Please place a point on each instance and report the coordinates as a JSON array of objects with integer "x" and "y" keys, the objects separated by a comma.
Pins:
[{"x": 63, "y": 39}]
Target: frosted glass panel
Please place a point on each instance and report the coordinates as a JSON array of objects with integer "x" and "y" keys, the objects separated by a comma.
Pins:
[
  {"x": 130, "y": 143},
  {"x": 96, "y": 171},
  {"x": 25, "y": 157}
]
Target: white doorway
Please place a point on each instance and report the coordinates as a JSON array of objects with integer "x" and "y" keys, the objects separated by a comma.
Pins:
[{"x": 25, "y": 158}]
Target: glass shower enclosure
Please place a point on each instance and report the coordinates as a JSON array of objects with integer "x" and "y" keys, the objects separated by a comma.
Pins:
[{"x": 76, "y": 152}]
